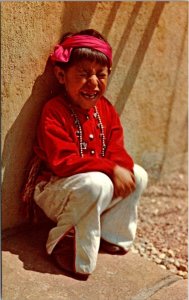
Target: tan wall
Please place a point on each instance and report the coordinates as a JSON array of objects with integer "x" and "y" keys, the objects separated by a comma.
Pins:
[{"x": 148, "y": 84}]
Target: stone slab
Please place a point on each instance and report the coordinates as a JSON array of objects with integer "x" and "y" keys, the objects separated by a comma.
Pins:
[{"x": 28, "y": 273}]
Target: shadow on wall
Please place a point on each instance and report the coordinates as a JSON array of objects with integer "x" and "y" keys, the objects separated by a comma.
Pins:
[
  {"x": 140, "y": 53},
  {"x": 19, "y": 140},
  {"x": 77, "y": 15}
]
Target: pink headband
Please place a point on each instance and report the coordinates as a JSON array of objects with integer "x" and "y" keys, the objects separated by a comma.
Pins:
[{"x": 62, "y": 52}]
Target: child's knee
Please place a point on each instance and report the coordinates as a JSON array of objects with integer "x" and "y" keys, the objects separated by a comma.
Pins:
[
  {"x": 97, "y": 184},
  {"x": 141, "y": 177}
]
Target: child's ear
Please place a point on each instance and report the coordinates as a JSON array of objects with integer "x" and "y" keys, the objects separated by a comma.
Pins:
[{"x": 59, "y": 73}]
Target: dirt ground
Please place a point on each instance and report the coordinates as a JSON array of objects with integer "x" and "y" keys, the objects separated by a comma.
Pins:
[{"x": 163, "y": 216}]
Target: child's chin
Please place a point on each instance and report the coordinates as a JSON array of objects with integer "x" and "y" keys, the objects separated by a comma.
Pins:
[{"x": 89, "y": 104}]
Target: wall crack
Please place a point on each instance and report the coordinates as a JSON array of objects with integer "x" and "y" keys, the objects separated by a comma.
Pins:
[{"x": 148, "y": 292}]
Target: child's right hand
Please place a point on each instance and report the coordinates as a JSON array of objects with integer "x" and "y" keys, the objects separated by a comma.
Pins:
[{"x": 124, "y": 182}]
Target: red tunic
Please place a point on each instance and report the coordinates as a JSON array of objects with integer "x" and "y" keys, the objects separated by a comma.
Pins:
[{"x": 58, "y": 144}]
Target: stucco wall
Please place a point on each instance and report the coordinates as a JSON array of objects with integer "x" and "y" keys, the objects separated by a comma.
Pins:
[{"x": 148, "y": 84}]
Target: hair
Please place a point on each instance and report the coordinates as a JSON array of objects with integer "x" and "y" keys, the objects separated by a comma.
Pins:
[{"x": 82, "y": 53}]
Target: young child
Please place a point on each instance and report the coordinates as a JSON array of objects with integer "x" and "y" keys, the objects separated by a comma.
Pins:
[{"x": 88, "y": 185}]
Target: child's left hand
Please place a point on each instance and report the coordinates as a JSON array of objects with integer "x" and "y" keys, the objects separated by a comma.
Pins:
[{"x": 124, "y": 182}]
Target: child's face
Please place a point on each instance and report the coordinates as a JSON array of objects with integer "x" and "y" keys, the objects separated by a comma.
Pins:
[{"x": 85, "y": 82}]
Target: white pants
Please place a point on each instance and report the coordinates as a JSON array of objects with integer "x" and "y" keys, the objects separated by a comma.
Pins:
[{"x": 85, "y": 202}]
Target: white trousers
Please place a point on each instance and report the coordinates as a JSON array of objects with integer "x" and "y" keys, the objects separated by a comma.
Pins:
[{"x": 85, "y": 202}]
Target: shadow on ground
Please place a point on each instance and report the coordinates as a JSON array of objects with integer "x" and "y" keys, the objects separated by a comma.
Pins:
[{"x": 29, "y": 245}]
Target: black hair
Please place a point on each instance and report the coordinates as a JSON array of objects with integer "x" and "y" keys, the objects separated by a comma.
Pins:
[{"x": 84, "y": 52}]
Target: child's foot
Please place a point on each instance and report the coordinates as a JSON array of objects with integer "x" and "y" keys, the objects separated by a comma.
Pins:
[
  {"x": 63, "y": 253},
  {"x": 64, "y": 256},
  {"x": 111, "y": 248}
]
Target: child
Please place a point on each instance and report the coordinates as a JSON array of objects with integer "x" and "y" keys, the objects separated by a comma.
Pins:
[{"x": 88, "y": 185}]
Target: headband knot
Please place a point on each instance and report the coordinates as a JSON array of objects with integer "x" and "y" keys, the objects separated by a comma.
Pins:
[{"x": 63, "y": 51}]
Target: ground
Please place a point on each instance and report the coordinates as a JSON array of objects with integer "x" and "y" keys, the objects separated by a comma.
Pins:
[{"x": 163, "y": 222}]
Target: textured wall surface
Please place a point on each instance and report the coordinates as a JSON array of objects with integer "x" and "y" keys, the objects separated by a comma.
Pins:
[{"x": 148, "y": 85}]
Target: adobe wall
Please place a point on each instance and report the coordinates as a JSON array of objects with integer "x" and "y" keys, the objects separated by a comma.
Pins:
[{"x": 148, "y": 85}]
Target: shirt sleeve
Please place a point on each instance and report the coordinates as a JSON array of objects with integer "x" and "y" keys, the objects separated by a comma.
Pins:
[{"x": 116, "y": 151}]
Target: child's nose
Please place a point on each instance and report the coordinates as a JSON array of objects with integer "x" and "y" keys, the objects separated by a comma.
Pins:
[{"x": 93, "y": 80}]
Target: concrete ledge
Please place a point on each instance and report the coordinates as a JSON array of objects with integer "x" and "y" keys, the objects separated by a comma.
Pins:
[{"x": 28, "y": 273}]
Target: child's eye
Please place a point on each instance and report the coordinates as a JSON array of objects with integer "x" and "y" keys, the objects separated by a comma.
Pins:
[
  {"x": 83, "y": 74},
  {"x": 102, "y": 75}
]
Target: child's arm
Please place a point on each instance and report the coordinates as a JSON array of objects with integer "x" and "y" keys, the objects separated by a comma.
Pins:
[
  {"x": 123, "y": 176},
  {"x": 116, "y": 151}
]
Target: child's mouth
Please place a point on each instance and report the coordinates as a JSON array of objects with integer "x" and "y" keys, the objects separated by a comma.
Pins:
[{"x": 89, "y": 96}]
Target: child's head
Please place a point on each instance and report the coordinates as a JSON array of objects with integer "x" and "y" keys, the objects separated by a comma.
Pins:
[
  {"x": 85, "y": 49},
  {"x": 82, "y": 65}
]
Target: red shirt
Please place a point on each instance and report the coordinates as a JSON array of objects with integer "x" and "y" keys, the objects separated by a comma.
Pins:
[{"x": 58, "y": 144}]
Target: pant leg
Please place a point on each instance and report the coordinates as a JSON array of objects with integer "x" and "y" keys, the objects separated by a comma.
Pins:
[
  {"x": 119, "y": 221},
  {"x": 78, "y": 202}
]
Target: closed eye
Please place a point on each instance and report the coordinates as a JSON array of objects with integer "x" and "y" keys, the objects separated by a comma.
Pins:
[
  {"x": 83, "y": 74},
  {"x": 102, "y": 75}
]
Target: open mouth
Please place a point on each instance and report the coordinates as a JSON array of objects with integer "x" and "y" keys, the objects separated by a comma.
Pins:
[{"x": 90, "y": 96}]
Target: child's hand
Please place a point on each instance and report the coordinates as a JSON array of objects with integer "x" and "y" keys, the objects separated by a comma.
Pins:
[{"x": 124, "y": 182}]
